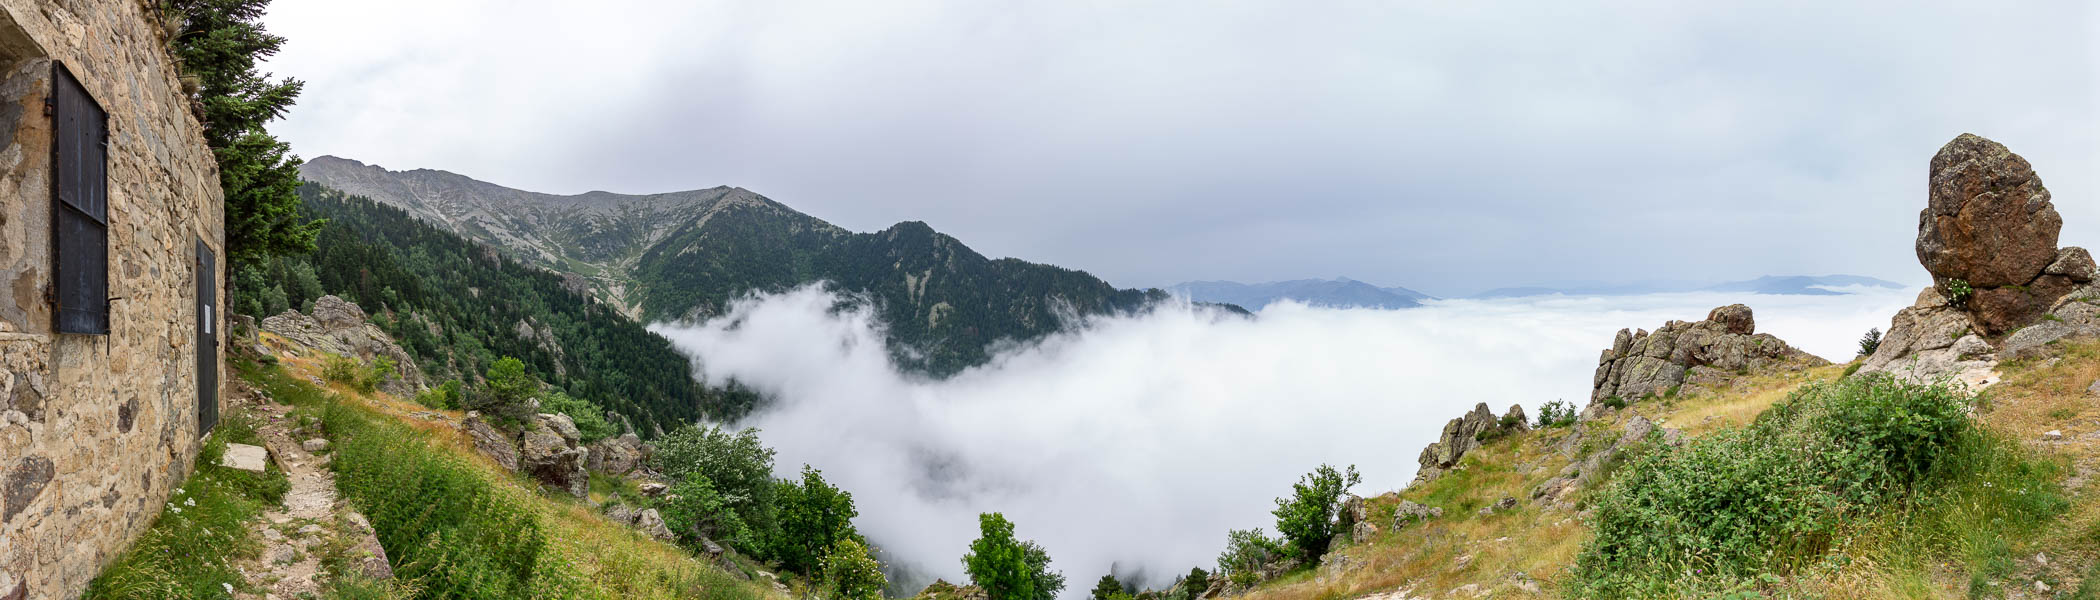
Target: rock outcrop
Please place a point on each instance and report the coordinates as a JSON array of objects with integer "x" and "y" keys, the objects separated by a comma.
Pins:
[
  {"x": 1640, "y": 364},
  {"x": 1989, "y": 226},
  {"x": 618, "y": 455},
  {"x": 550, "y": 452},
  {"x": 1460, "y": 436},
  {"x": 338, "y": 326},
  {"x": 491, "y": 442},
  {"x": 2002, "y": 289}
]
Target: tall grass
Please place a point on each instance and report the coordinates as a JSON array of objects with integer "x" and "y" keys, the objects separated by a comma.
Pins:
[
  {"x": 1861, "y": 467},
  {"x": 192, "y": 547}
]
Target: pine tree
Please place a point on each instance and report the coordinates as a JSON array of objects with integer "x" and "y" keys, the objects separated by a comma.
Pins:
[{"x": 218, "y": 45}]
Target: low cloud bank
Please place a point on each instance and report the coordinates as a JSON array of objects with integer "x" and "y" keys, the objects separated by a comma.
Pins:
[{"x": 1135, "y": 442}]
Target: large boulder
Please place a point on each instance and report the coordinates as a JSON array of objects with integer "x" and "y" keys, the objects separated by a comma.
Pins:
[
  {"x": 1988, "y": 224},
  {"x": 548, "y": 451},
  {"x": 338, "y": 326},
  {"x": 1640, "y": 364}
]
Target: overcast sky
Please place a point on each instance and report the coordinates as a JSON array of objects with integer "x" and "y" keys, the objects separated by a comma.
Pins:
[{"x": 1443, "y": 146}]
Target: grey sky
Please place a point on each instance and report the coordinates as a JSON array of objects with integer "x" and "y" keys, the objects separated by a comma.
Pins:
[{"x": 1444, "y": 146}]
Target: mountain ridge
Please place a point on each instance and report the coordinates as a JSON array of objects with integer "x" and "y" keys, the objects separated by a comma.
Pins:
[{"x": 684, "y": 256}]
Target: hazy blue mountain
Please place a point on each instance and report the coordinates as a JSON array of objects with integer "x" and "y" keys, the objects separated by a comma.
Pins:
[
  {"x": 1337, "y": 292},
  {"x": 1806, "y": 285}
]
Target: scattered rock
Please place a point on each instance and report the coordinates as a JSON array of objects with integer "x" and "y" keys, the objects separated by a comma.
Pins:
[
  {"x": 1409, "y": 512},
  {"x": 1506, "y": 503},
  {"x": 1516, "y": 419},
  {"x": 1363, "y": 532},
  {"x": 314, "y": 445},
  {"x": 245, "y": 457},
  {"x": 2053, "y": 435},
  {"x": 653, "y": 524},
  {"x": 280, "y": 554},
  {"x": 2041, "y": 588},
  {"x": 654, "y": 489}
]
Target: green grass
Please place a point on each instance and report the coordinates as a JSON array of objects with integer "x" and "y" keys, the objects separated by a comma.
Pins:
[
  {"x": 1861, "y": 467},
  {"x": 191, "y": 548}
]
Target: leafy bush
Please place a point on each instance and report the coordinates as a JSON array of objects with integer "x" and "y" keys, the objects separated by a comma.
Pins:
[
  {"x": 445, "y": 396},
  {"x": 813, "y": 517},
  {"x": 590, "y": 420},
  {"x": 1107, "y": 587},
  {"x": 1781, "y": 492},
  {"x": 851, "y": 573},
  {"x": 1870, "y": 342},
  {"x": 735, "y": 464},
  {"x": 505, "y": 396},
  {"x": 694, "y": 510},
  {"x": 1246, "y": 552},
  {"x": 1193, "y": 585},
  {"x": 1613, "y": 402},
  {"x": 341, "y": 369},
  {"x": 1306, "y": 518},
  {"x": 1558, "y": 413},
  {"x": 378, "y": 373},
  {"x": 1007, "y": 568}
]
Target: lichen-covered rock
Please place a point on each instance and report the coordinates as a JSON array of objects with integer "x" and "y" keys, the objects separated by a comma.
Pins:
[
  {"x": 618, "y": 455},
  {"x": 548, "y": 452},
  {"x": 1460, "y": 436},
  {"x": 1987, "y": 220},
  {"x": 491, "y": 442},
  {"x": 1641, "y": 364},
  {"x": 651, "y": 523},
  {"x": 1410, "y": 511}
]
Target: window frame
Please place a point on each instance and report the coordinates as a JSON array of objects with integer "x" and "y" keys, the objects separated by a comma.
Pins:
[{"x": 71, "y": 214}]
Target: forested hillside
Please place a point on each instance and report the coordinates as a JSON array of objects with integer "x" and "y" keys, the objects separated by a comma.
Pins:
[
  {"x": 685, "y": 255},
  {"x": 457, "y": 306}
]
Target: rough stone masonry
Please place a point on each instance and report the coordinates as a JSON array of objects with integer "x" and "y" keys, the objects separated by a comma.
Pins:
[{"x": 96, "y": 429}]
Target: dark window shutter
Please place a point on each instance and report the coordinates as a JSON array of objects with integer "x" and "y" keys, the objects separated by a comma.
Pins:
[{"x": 80, "y": 132}]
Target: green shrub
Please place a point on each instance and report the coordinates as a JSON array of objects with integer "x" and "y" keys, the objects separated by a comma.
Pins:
[
  {"x": 1008, "y": 568},
  {"x": 1306, "y": 518},
  {"x": 590, "y": 420},
  {"x": 446, "y": 529},
  {"x": 378, "y": 373},
  {"x": 851, "y": 574},
  {"x": 1193, "y": 585},
  {"x": 1958, "y": 292},
  {"x": 445, "y": 396},
  {"x": 813, "y": 517},
  {"x": 1613, "y": 402},
  {"x": 341, "y": 369},
  {"x": 1778, "y": 494},
  {"x": 694, "y": 511},
  {"x": 1558, "y": 413},
  {"x": 736, "y": 464},
  {"x": 1247, "y": 551},
  {"x": 505, "y": 396}
]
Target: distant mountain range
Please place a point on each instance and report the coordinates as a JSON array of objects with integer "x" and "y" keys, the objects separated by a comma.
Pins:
[
  {"x": 1803, "y": 285},
  {"x": 686, "y": 255},
  {"x": 1343, "y": 292},
  {"x": 1340, "y": 292}
]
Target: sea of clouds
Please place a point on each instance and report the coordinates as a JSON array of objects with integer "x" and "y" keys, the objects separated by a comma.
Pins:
[{"x": 1135, "y": 442}]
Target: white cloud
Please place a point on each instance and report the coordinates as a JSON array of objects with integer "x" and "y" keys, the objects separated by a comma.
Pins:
[{"x": 1139, "y": 440}]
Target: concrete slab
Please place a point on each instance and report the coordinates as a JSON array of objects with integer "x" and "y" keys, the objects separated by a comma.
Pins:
[{"x": 245, "y": 457}]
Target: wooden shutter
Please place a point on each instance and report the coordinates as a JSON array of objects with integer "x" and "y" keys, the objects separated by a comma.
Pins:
[{"x": 80, "y": 184}]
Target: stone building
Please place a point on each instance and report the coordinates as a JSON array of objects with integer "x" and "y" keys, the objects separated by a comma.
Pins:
[{"x": 111, "y": 247}]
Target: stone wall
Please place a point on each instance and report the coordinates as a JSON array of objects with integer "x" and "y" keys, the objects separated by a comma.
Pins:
[{"x": 95, "y": 430}]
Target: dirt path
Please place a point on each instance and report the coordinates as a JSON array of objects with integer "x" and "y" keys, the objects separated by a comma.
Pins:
[{"x": 311, "y": 523}]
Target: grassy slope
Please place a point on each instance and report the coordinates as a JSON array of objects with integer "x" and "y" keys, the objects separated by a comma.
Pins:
[
  {"x": 1500, "y": 553},
  {"x": 590, "y": 556},
  {"x": 210, "y": 510}
]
